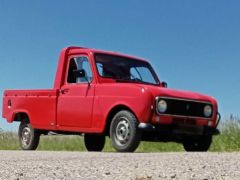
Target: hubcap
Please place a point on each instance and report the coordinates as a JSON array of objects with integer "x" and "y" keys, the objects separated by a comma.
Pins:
[
  {"x": 26, "y": 136},
  {"x": 122, "y": 133}
]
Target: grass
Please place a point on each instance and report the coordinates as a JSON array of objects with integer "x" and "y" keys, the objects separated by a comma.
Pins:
[
  {"x": 8, "y": 140},
  {"x": 228, "y": 141}
]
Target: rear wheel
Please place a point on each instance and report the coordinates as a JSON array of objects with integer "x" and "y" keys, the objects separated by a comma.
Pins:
[
  {"x": 28, "y": 136},
  {"x": 201, "y": 143},
  {"x": 94, "y": 142},
  {"x": 124, "y": 132}
]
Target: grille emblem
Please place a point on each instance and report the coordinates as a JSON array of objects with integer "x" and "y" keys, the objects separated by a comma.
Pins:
[{"x": 187, "y": 107}]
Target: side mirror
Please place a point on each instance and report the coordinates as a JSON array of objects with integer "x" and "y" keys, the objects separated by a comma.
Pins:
[
  {"x": 79, "y": 73},
  {"x": 164, "y": 84}
]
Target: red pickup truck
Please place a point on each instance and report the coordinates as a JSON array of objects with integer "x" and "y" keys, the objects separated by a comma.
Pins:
[{"x": 99, "y": 94}]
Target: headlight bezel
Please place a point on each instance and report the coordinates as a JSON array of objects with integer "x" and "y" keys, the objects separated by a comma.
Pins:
[
  {"x": 208, "y": 111},
  {"x": 164, "y": 103}
]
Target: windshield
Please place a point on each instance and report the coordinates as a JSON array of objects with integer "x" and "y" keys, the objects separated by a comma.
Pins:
[{"x": 125, "y": 69}]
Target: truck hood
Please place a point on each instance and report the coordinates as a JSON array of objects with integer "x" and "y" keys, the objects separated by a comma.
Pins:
[{"x": 167, "y": 92}]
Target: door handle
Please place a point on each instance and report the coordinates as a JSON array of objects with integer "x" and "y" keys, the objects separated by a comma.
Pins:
[{"x": 64, "y": 91}]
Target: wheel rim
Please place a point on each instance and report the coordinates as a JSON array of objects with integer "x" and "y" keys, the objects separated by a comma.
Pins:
[
  {"x": 26, "y": 136},
  {"x": 122, "y": 132}
]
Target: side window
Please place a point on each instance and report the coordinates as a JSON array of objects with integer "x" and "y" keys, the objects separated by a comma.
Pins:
[{"x": 79, "y": 63}]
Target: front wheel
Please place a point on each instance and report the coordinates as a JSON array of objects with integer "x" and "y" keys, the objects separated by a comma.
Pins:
[
  {"x": 124, "y": 132},
  {"x": 28, "y": 136},
  {"x": 94, "y": 142},
  {"x": 201, "y": 143}
]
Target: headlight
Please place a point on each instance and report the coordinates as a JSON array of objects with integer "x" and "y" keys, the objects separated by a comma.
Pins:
[
  {"x": 162, "y": 106},
  {"x": 207, "y": 111}
]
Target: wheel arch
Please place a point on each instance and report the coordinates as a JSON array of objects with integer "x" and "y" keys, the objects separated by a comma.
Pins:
[
  {"x": 21, "y": 116},
  {"x": 111, "y": 114}
]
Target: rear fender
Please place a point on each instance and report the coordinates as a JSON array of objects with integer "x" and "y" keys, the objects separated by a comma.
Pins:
[{"x": 20, "y": 116}]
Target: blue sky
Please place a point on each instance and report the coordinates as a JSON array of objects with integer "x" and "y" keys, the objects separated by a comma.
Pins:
[{"x": 193, "y": 45}]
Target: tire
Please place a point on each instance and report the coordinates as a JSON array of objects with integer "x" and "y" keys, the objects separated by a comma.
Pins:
[
  {"x": 28, "y": 136},
  {"x": 124, "y": 132},
  {"x": 201, "y": 144},
  {"x": 94, "y": 142}
]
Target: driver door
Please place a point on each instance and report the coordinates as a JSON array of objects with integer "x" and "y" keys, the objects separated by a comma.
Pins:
[{"x": 75, "y": 101}]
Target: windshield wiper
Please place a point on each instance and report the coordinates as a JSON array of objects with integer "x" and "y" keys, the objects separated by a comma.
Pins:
[
  {"x": 136, "y": 80},
  {"x": 124, "y": 80},
  {"x": 137, "y": 73}
]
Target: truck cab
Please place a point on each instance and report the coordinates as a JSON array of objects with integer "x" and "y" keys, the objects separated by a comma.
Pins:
[{"x": 98, "y": 93}]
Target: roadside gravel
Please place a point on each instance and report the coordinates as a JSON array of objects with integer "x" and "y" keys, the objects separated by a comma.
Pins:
[{"x": 136, "y": 166}]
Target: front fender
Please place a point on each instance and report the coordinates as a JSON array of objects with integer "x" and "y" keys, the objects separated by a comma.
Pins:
[{"x": 137, "y": 99}]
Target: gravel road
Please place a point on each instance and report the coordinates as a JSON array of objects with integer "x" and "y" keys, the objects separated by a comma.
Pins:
[{"x": 136, "y": 166}]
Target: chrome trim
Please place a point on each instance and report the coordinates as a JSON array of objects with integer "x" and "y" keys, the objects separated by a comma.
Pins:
[
  {"x": 218, "y": 119},
  {"x": 164, "y": 97}
]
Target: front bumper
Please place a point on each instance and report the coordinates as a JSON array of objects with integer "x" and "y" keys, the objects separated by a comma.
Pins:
[
  {"x": 182, "y": 129},
  {"x": 178, "y": 129}
]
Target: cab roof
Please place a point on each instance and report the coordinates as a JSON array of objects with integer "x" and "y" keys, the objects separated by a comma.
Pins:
[{"x": 76, "y": 49}]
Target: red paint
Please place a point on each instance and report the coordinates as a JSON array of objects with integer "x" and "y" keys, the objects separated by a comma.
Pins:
[{"x": 85, "y": 108}]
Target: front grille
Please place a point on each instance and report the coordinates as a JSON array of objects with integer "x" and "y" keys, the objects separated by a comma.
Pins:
[{"x": 181, "y": 107}]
